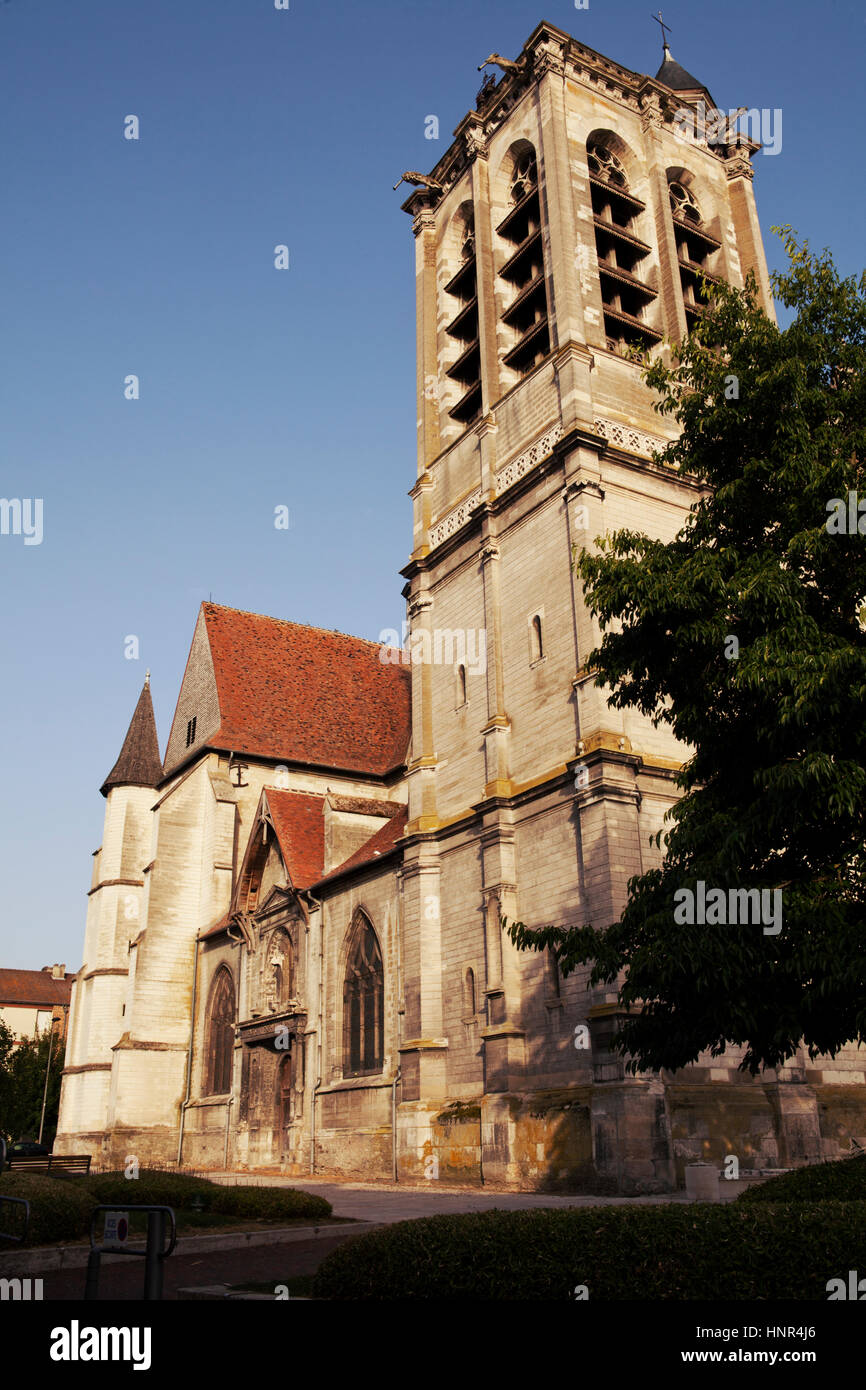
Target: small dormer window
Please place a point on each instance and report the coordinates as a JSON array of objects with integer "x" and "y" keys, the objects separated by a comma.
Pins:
[{"x": 190, "y": 731}]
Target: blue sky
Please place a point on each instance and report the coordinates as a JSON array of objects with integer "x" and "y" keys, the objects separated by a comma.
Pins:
[{"x": 260, "y": 388}]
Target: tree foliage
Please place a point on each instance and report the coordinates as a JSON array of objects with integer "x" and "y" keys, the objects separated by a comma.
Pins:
[
  {"x": 22, "y": 1085},
  {"x": 774, "y": 787}
]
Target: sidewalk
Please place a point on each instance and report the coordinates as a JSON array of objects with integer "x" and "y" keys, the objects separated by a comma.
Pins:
[{"x": 386, "y": 1202}]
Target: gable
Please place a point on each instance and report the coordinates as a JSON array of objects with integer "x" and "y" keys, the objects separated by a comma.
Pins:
[{"x": 198, "y": 699}]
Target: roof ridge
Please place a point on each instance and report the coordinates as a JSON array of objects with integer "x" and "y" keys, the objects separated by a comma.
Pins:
[{"x": 291, "y": 622}]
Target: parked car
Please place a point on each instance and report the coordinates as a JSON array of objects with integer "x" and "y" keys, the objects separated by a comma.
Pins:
[{"x": 27, "y": 1148}]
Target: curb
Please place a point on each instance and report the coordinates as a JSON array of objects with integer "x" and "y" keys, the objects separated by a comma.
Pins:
[
  {"x": 207, "y": 1293},
  {"x": 24, "y": 1261}
]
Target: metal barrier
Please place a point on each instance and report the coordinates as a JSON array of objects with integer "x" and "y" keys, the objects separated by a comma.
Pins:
[
  {"x": 13, "y": 1202},
  {"x": 154, "y": 1254},
  {"x": 16, "y": 1202}
]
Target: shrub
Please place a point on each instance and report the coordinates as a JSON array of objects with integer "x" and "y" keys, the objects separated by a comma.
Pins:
[
  {"x": 268, "y": 1203},
  {"x": 59, "y": 1210},
  {"x": 151, "y": 1188},
  {"x": 177, "y": 1190},
  {"x": 842, "y": 1181},
  {"x": 669, "y": 1251}
]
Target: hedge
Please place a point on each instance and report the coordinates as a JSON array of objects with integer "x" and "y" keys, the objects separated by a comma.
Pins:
[
  {"x": 58, "y": 1209},
  {"x": 152, "y": 1188},
  {"x": 668, "y": 1251},
  {"x": 841, "y": 1181}
]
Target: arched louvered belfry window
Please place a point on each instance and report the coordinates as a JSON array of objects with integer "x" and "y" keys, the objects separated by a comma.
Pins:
[
  {"x": 624, "y": 257},
  {"x": 221, "y": 1035},
  {"x": 363, "y": 1003},
  {"x": 696, "y": 244},
  {"x": 527, "y": 330}
]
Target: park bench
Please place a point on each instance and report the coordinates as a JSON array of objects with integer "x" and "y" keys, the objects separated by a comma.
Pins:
[{"x": 58, "y": 1164}]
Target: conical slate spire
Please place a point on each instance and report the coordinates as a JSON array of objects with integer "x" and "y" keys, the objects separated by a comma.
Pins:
[
  {"x": 139, "y": 764},
  {"x": 676, "y": 77}
]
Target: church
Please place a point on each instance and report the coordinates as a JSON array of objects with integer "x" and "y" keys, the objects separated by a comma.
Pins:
[{"x": 294, "y": 957}]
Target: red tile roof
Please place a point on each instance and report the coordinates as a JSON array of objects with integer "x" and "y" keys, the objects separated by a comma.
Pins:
[
  {"x": 217, "y": 927},
  {"x": 299, "y": 821},
  {"x": 37, "y": 987},
  {"x": 379, "y": 845},
  {"x": 305, "y": 695}
]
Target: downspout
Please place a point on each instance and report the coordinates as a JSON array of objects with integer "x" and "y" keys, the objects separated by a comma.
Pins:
[
  {"x": 228, "y": 1121},
  {"x": 398, "y": 1070},
  {"x": 316, "y": 902},
  {"x": 394, "y": 1121},
  {"x": 183, "y": 1107}
]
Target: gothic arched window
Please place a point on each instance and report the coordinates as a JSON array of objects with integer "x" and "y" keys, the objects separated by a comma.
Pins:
[
  {"x": 221, "y": 1035},
  {"x": 363, "y": 1004}
]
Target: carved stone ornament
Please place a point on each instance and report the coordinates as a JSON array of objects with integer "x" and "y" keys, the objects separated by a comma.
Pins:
[{"x": 738, "y": 165}]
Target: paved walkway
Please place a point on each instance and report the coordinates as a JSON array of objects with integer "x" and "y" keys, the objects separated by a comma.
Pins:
[
  {"x": 371, "y": 1202},
  {"x": 265, "y": 1263},
  {"x": 387, "y": 1202}
]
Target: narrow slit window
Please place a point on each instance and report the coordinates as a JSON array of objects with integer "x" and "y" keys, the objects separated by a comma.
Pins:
[
  {"x": 537, "y": 639},
  {"x": 469, "y": 993},
  {"x": 190, "y": 731}
]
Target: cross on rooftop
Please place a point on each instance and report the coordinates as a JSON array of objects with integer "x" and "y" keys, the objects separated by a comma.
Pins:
[{"x": 658, "y": 19}]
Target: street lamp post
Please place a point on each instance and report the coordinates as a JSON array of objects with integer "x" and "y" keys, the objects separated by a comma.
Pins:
[{"x": 47, "y": 1072}]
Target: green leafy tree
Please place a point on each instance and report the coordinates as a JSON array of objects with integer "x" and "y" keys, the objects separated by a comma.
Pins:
[
  {"x": 22, "y": 1085},
  {"x": 773, "y": 423},
  {"x": 7, "y": 1042}
]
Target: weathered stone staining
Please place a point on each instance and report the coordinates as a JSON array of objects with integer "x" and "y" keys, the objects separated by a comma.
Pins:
[{"x": 314, "y": 974}]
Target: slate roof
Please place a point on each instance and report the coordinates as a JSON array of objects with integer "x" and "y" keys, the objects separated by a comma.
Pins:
[
  {"x": 305, "y": 695},
  {"x": 36, "y": 987},
  {"x": 139, "y": 764},
  {"x": 676, "y": 77}
]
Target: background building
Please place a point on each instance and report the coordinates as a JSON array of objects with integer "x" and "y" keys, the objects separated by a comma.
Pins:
[{"x": 31, "y": 1000}]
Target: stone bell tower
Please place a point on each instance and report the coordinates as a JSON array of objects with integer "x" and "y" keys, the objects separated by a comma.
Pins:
[{"x": 559, "y": 238}]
